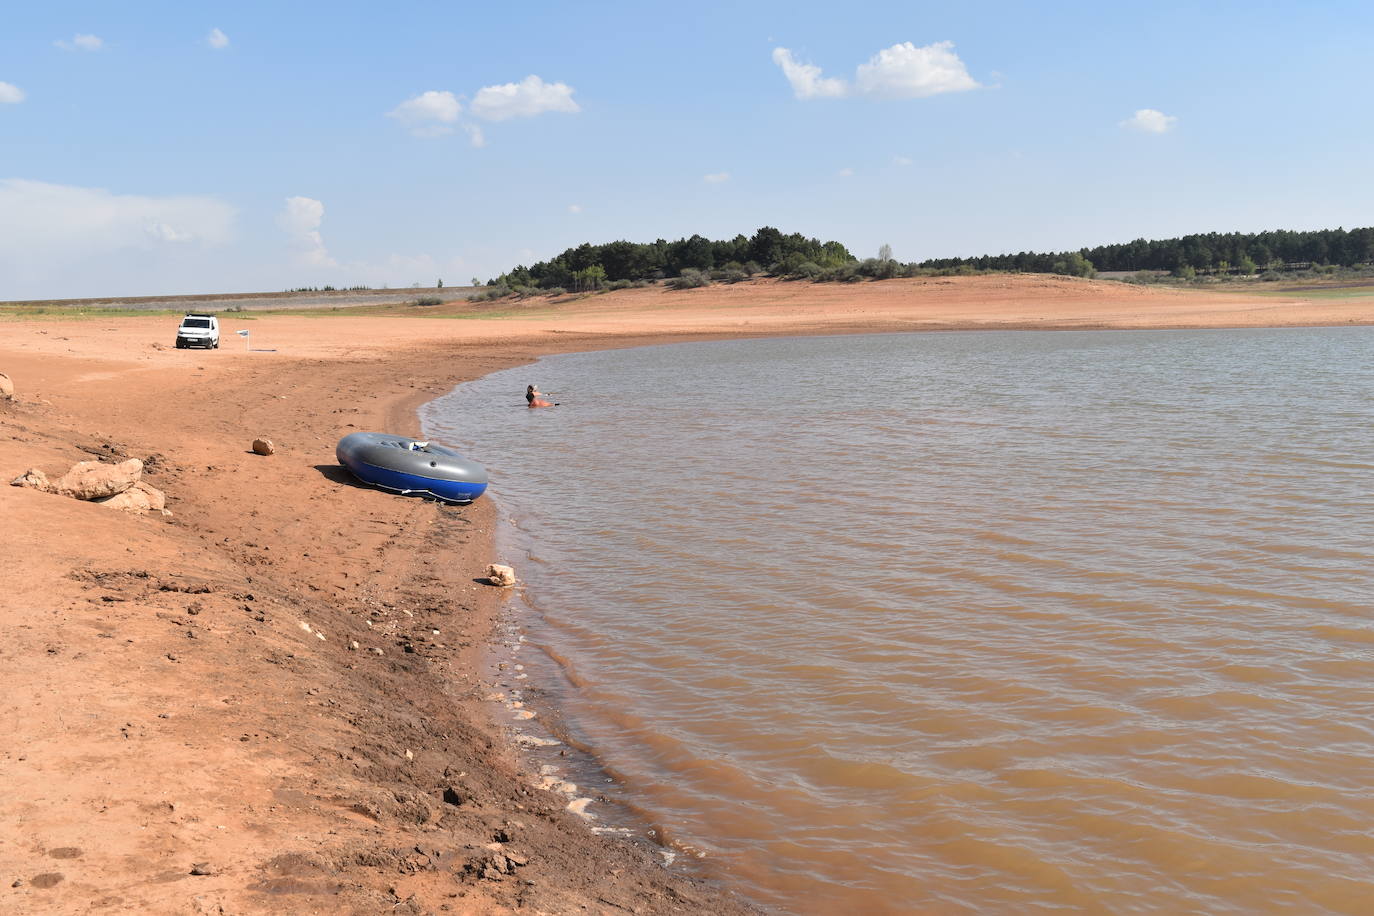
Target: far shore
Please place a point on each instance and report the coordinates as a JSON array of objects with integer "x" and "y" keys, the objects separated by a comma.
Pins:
[{"x": 188, "y": 726}]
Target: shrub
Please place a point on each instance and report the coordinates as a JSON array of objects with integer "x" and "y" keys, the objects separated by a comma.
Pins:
[
  {"x": 429, "y": 300},
  {"x": 498, "y": 291},
  {"x": 878, "y": 268},
  {"x": 841, "y": 273},
  {"x": 691, "y": 278},
  {"x": 556, "y": 291}
]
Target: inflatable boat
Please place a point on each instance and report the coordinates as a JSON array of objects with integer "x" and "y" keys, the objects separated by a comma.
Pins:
[{"x": 411, "y": 467}]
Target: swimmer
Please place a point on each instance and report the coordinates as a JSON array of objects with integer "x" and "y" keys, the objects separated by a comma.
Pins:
[{"x": 534, "y": 396}]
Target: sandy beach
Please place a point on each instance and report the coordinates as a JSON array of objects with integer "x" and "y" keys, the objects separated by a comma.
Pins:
[{"x": 187, "y": 725}]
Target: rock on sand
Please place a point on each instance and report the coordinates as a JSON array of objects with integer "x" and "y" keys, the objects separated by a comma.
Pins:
[
  {"x": 139, "y": 498},
  {"x": 503, "y": 576},
  {"x": 96, "y": 480}
]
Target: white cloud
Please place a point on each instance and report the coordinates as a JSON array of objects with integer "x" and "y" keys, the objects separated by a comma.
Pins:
[
  {"x": 10, "y": 94},
  {"x": 217, "y": 39},
  {"x": 905, "y": 71},
  {"x": 716, "y": 178},
  {"x": 300, "y": 220},
  {"x": 1150, "y": 121},
  {"x": 429, "y": 114},
  {"x": 574, "y": 208},
  {"x": 35, "y": 215},
  {"x": 806, "y": 79},
  {"x": 901, "y": 160},
  {"x": 902, "y": 71},
  {"x": 846, "y": 172},
  {"x": 66, "y": 238},
  {"x": 475, "y": 135},
  {"x": 525, "y": 99},
  {"x": 81, "y": 42}
]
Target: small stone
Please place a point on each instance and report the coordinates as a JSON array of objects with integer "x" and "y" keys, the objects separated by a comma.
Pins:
[
  {"x": 452, "y": 796},
  {"x": 33, "y": 479},
  {"x": 503, "y": 576},
  {"x": 202, "y": 868},
  {"x": 263, "y": 447},
  {"x": 6, "y": 387}
]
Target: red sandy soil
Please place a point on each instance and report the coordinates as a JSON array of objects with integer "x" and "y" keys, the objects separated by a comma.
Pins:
[{"x": 165, "y": 709}]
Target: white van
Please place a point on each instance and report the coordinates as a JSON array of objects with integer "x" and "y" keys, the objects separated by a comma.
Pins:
[{"x": 198, "y": 331}]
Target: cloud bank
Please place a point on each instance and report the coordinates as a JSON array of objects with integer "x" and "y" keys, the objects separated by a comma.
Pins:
[
  {"x": 10, "y": 94},
  {"x": 76, "y": 240},
  {"x": 902, "y": 71},
  {"x": 40, "y": 218}
]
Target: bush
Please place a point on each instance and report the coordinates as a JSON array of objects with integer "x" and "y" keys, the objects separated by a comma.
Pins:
[
  {"x": 691, "y": 278},
  {"x": 429, "y": 300},
  {"x": 842, "y": 273},
  {"x": 620, "y": 284},
  {"x": 498, "y": 291},
  {"x": 878, "y": 268},
  {"x": 556, "y": 291}
]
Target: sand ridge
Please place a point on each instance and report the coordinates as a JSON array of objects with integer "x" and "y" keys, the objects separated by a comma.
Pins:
[{"x": 182, "y": 696}]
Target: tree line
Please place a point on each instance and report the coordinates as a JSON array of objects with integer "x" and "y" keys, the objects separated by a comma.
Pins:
[
  {"x": 696, "y": 261},
  {"x": 1226, "y": 252},
  {"x": 591, "y": 266}
]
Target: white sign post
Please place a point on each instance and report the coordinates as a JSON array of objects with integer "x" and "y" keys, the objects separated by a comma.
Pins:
[{"x": 244, "y": 335}]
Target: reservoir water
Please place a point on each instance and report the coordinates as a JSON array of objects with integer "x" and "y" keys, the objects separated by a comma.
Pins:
[{"x": 961, "y": 622}]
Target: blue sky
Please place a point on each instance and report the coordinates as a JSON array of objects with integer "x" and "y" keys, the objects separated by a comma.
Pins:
[{"x": 151, "y": 148}]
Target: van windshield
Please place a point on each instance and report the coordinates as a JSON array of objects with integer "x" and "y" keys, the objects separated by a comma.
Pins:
[{"x": 196, "y": 323}]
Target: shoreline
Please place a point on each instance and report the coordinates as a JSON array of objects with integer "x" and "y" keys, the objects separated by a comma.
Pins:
[{"x": 175, "y": 712}]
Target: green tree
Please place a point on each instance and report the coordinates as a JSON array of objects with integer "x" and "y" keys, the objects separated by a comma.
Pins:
[{"x": 589, "y": 278}]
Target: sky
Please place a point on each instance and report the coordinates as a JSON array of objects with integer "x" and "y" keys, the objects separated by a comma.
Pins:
[{"x": 149, "y": 148}]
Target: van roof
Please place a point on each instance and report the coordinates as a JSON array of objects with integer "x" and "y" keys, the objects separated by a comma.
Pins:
[{"x": 198, "y": 315}]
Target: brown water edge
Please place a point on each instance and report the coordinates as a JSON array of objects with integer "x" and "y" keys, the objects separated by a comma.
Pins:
[{"x": 525, "y": 680}]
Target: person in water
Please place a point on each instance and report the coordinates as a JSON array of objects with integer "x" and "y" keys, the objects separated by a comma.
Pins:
[{"x": 535, "y": 397}]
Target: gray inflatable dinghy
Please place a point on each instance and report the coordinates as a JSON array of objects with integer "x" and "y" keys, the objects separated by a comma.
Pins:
[{"x": 411, "y": 466}]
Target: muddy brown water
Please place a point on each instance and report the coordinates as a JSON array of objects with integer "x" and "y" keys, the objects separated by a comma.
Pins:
[{"x": 960, "y": 623}]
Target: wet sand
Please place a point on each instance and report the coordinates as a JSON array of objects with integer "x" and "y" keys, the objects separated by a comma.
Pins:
[{"x": 169, "y": 712}]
